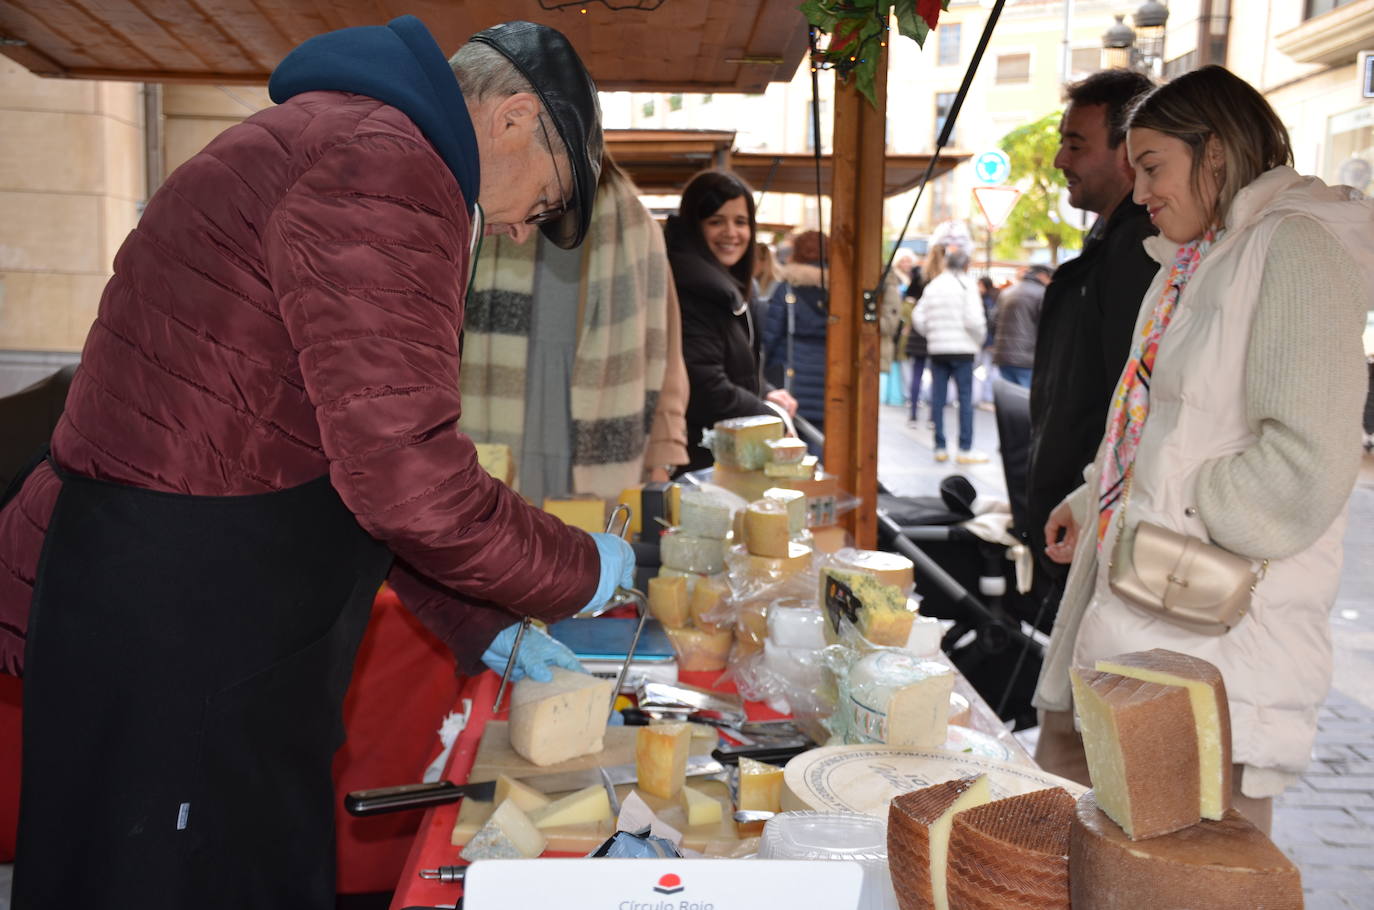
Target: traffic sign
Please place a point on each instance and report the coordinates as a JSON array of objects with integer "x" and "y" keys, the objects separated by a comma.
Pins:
[
  {"x": 996, "y": 203},
  {"x": 992, "y": 167}
]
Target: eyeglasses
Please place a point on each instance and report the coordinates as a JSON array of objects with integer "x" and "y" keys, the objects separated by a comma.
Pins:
[{"x": 552, "y": 214}]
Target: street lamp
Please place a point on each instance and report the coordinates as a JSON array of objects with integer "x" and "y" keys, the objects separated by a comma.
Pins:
[{"x": 1141, "y": 48}]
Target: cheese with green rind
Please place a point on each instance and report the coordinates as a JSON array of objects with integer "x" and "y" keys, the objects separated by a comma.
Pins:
[
  {"x": 688, "y": 553},
  {"x": 507, "y": 834},
  {"x": 741, "y": 442}
]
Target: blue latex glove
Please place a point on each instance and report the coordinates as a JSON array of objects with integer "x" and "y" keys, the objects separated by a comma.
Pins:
[
  {"x": 538, "y": 652},
  {"x": 617, "y": 568}
]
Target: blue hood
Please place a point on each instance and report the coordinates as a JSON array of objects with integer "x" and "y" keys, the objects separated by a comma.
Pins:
[{"x": 398, "y": 64}]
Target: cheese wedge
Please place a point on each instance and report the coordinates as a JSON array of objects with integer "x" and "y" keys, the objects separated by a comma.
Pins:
[
  {"x": 661, "y": 752},
  {"x": 707, "y": 606},
  {"x": 795, "y": 501},
  {"x": 760, "y": 785},
  {"x": 701, "y": 809},
  {"x": 579, "y": 808},
  {"x": 698, "y": 649},
  {"x": 1012, "y": 854},
  {"x": 668, "y": 600},
  {"x": 918, "y": 827},
  {"x": 741, "y": 442},
  {"x": 1141, "y": 746},
  {"x": 881, "y": 612},
  {"x": 526, "y": 798},
  {"x": 1211, "y": 714},
  {"x": 554, "y": 721},
  {"x": 507, "y": 834},
  {"x": 788, "y": 450}
]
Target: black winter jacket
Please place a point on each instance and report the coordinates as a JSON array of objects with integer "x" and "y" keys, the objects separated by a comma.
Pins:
[
  {"x": 810, "y": 321},
  {"x": 720, "y": 343},
  {"x": 1085, "y": 335},
  {"x": 1017, "y": 315}
]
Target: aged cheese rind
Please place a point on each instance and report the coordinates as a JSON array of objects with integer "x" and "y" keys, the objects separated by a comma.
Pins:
[
  {"x": 554, "y": 721},
  {"x": 918, "y": 828},
  {"x": 704, "y": 514},
  {"x": 507, "y": 834},
  {"x": 1213, "y": 865},
  {"x": 661, "y": 752},
  {"x": 765, "y": 528},
  {"x": 1211, "y": 714},
  {"x": 1012, "y": 854},
  {"x": 668, "y": 600},
  {"x": 1141, "y": 745},
  {"x": 689, "y": 553}
]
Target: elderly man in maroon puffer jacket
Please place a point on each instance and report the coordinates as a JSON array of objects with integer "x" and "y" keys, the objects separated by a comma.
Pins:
[{"x": 262, "y": 428}]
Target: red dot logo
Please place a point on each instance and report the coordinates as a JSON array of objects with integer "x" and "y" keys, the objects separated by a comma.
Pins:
[{"x": 669, "y": 884}]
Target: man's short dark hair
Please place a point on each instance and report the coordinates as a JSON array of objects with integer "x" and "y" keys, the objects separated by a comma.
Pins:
[
  {"x": 1115, "y": 88},
  {"x": 1040, "y": 271}
]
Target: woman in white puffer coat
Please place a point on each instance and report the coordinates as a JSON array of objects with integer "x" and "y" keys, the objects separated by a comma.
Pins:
[
  {"x": 950, "y": 314},
  {"x": 1244, "y": 432}
]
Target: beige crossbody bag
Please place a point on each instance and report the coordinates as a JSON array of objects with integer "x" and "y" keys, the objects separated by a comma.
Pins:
[{"x": 1178, "y": 577}]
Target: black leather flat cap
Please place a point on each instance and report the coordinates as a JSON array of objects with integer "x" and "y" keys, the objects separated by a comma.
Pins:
[{"x": 567, "y": 92}]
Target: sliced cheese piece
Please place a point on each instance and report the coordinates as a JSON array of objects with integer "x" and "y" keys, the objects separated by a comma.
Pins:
[
  {"x": 1213, "y": 865},
  {"x": 880, "y": 611},
  {"x": 508, "y": 834},
  {"x": 698, "y": 649},
  {"x": 889, "y": 568},
  {"x": 918, "y": 826},
  {"x": 802, "y": 470},
  {"x": 1141, "y": 746},
  {"x": 760, "y": 785},
  {"x": 1211, "y": 714},
  {"x": 589, "y": 514},
  {"x": 668, "y": 600},
  {"x": 765, "y": 528},
  {"x": 496, "y": 459},
  {"x": 701, "y": 809},
  {"x": 661, "y": 752},
  {"x": 708, "y": 605},
  {"x": 554, "y": 721},
  {"x": 525, "y": 797},
  {"x": 741, "y": 442},
  {"x": 704, "y": 514},
  {"x": 795, "y": 501},
  {"x": 579, "y": 808},
  {"x": 788, "y": 450},
  {"x": 1012, "y": 853},
  {"x": 689, "y": 553}
]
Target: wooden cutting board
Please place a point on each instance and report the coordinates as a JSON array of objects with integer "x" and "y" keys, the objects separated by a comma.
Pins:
[{"x": 496, "y": 757}]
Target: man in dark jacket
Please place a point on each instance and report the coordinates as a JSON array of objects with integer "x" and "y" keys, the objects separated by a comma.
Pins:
[
  {"x": 1017, "y": 318},
  {"x": 1090, "y": 307},
  {"x": 262, "y": 428}
]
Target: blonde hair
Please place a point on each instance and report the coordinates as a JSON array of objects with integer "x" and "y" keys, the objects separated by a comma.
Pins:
[
  {"x": 766, "y": 270},
  {"x": 1212, "y": 102},
  {"x": 935, "y": 262}
]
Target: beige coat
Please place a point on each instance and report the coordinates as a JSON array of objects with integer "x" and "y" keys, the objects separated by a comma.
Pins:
[{"x": 1277, "y": 662}]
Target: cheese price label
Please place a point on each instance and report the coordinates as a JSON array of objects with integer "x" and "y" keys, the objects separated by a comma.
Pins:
[{"x": 840, "y": 602}]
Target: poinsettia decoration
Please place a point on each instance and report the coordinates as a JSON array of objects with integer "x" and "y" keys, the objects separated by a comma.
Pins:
[{"x": 858, "y": 31}]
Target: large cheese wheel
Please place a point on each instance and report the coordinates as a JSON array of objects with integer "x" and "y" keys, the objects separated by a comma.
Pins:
[
  {"x": 1213, "y": 865},
  {"x": 1012, "y": 854},
  {"x": 889, "y": 568},
  {"x": 918, "y": 828}
]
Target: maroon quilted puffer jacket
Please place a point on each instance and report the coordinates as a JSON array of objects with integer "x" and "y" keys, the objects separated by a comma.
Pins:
[{"x": 290, "y": 305}]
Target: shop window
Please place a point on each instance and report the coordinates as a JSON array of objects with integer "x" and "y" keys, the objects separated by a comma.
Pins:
[
  {"x": 948, "y": 52},
  {"x": 1314, "y": 8},
  {"x": 944, "y": 102}
]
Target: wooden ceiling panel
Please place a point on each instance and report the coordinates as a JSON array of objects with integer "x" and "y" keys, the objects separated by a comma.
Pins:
[{"x": 684, "y": 45}]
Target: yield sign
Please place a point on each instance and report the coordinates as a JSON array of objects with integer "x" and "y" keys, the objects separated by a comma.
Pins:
[{"x": 996, "y": 203}]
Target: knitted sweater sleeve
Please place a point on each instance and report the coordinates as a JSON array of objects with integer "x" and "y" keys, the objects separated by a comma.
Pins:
[{"x": 1305, "y": 386}]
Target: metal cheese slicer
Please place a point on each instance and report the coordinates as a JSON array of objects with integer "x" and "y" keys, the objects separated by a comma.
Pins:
[{"x": 620, "y": 516}]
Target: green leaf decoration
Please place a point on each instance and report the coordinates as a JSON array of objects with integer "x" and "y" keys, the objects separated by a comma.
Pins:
[{"x": 858, "y": 30}]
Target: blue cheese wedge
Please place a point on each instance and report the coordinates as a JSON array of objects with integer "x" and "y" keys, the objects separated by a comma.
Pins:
[{"x": 508, "y": 834}]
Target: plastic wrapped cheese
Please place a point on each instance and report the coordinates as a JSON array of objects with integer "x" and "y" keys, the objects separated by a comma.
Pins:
[
  {"x": 689, "y": 553},
  {"x": 766, "y": 530},
  {"x": 879, "y": 612},
  {"x": 893, "y": 697},
  {"x": 889, "y": 568},
  {"x": 708, "y": 607},
  {"x": 741, "y": 442},
  {"x": 704, "y": 515},
  {"x": 668, "y": 601},
  {"x": 770, "y": 570},
  {"x": 795, "y": 501},
  {"x": 698, "y": 649}
]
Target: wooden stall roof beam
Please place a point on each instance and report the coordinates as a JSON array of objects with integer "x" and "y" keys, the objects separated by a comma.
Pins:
[
  {"x": 693, "y": 46},
  {"x": 852, "y": 344}
]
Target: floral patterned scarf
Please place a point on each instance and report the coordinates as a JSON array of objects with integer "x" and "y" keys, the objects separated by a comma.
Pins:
[{"x": 1131, "y": 403}]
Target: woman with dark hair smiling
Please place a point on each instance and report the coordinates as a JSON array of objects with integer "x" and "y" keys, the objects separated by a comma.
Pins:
[
  {"x": 711, "y": 250},
  {"x": 1234, "y": 427}
]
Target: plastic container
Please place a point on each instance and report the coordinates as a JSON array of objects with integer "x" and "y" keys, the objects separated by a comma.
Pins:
[{"x": 847, "y": 836}]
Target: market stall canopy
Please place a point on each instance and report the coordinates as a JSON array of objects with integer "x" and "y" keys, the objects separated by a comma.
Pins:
[
  {"x": 685, "y": 46},
  {"x": 662, "y": 161}
]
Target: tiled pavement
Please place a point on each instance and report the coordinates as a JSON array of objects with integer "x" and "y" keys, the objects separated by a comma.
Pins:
[{"x": 1326, "y": 822}]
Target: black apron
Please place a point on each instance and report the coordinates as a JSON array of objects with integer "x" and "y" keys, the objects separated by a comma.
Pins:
[{"x": 185, "y": 668}]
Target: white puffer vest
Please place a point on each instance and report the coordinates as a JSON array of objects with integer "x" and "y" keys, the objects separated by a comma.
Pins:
[{"x": 1277, "y": 662}]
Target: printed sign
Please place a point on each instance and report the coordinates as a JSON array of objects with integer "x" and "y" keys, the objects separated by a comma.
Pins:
[
  {"x": 996, "y": 203},
  {"x": 992, "y": 167}
]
